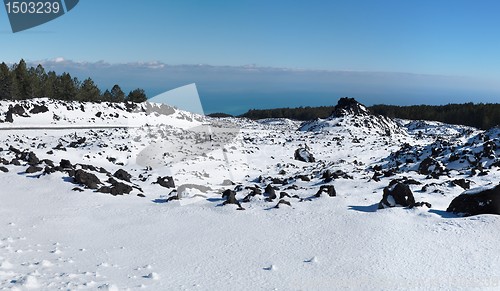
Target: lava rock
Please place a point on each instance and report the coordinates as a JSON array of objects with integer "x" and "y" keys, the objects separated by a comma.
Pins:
[
  {"x": 303, "y": 154},
  {"x": 328, "y": 189},
  {"x": 230, "y": 197},
  {"x": 465, "y": 184},
  {"x": 4, "y": 169},
  {"x": 33, "y": 169},
  {"x": 167, "y": 182},
  {"x": 87, "y": 179},
  {"x": 32, "y": 159},
  {"x": 284, "y": 202},
  {"x": 270, "y": 192},
  {"x": 123, "y": 175},
  {"x": 475, "y": 202},
  {"x": 117, "y": 188},
  {"x": 39, "y": 109},
  {"x": 432, "y": 167},
  {"x": 397, "y": 194},
  {"x": 65, "y": 164}
]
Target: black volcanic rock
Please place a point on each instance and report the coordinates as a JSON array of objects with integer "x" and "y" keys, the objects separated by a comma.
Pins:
[
  {"x": 123, "y": 175},
  {"x": 328, "y": 189},
  {"x": 167, "y": 182},
  {"x": 469, "y": 203},
  {"x": 397, "y": 194},
  {"x": 4, "y": 169},
  {"x": 39, "y": 109},
  {"x": 432, "y": 167},
  {"x": 230, "y": 197},
  {"x": 346, "y": 106},
  {"x": 304, "y": 155},
  {"x": 65, "y": 164},
  {"x": 33, "y": 169},
  {"x": 88, "y": 179}
]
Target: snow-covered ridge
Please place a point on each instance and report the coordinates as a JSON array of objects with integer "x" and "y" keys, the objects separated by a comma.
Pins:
[{"x": 50, "y": 113}]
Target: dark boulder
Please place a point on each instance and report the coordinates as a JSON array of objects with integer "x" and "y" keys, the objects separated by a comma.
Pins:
[
  {"x": 4, "y": 169},
  {"x": 431, "y": 167},
  {"x": 270, "y": 192},
  {"x": 465, "y": 184},
  {"x": 32, "y": 159},
  {"x": 33, "y": 169},
  {"x": 122, "y": 175},
  {"x": 167, "y": 182},
  {"x": 477, "y": 201},
  {"x": 87, "y": 179},
  {"x": 328, "y": 189},
  {"x": 230, "y": 197},
  {"x": 303, "y": 154},
  {"x": 65, "y": 164},
  {"x": 282, "y": 202},
  {"x": 397, "y": 194},
  {"x": 39, "y": 109},
  {"x": 118, "y": 188}
]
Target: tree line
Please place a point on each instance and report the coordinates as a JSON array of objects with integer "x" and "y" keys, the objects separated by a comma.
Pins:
[
  {"x": 480, "y": 115},
  {"x": 19, "y": 82}
]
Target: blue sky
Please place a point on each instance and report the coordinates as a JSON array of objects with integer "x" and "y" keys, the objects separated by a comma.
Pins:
[{"x": 443, "y": 38}]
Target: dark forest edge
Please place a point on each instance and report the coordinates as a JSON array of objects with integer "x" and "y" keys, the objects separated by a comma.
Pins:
[
  {"x": 483, "y": 116},
  {"x": 19, "y": 82}
]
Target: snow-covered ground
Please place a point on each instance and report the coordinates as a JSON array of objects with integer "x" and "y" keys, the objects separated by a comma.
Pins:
[{"x": 55, "y": 238}]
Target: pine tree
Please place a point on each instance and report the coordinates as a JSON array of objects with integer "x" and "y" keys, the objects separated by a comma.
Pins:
[
  {"x": 137, "y": 96},
  {"x": 117, "y": 94},
  {"x": 5, "y": 82},
  {"x": 88, "y": 91}
]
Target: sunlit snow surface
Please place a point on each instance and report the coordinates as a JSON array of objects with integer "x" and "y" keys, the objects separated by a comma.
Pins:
[{"x": 53, "y": 238}]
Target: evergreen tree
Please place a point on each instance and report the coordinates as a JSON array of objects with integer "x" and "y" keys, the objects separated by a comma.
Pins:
[
  {"x": 88, "y": 91},
  {"x": 117, "y": 94},
  {"x": 21, "y": 86},
  {"x": 5, "y": 82},
  {"x": 137, "y": 96}
]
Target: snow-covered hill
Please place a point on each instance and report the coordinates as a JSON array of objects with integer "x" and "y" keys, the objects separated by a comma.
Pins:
[
  {"x": 122, "y": 196},
  {"x": 354, "y": 118}
]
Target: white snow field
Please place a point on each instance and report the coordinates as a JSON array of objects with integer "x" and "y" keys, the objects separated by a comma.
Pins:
[{"x": 58, "y": 232}]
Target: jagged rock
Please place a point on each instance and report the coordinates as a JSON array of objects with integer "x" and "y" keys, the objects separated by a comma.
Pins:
[
  {"x": 465, "y": 184},
  {"x": 347, "y": 106},
  {"x": 77, "y": 143},
  {"x": 60, "y": 147},
  {"x": 328, "y": 189},
  {"x": 118, "y": 188},
  {"x": 15, "y": 162},
  {"x": 230, "y": 197},
  {"x": 284, "y": 202},
  {"x": 397, "y": 194},
  {"x": 39, "y": 109},
  {"x": 477, "y": 201},
  {"x": 122, "y": 175},
  {"x": 87, "y": 179},
  {"x": 33, "y": 169},
  {"x": 65, "y": 164},
  {"x": 432, "y": 167},
  {"x": 304, "y": 178},
  {"x": 32, "y": 159},
  {"x": 167, "y": 182},
  {"x": 270, "y": 192},
  {"x": 303, "y": 154}
]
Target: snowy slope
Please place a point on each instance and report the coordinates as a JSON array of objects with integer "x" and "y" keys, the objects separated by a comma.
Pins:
[{"x": 56, "y": 233}]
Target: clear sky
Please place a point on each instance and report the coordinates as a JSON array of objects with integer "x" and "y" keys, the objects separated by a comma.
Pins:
[{"x": 452, "y": 38}]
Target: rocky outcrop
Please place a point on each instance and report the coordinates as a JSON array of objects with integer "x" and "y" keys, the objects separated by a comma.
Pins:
[{"x": 477, "y": 201}]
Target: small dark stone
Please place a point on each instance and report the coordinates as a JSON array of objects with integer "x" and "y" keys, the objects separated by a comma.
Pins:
[
  {"x": 284, "y": 202},
  {"x": 39, "y": 109},
  {"x": 78, "y": 189},
  {"x": 167, "y": 182},
  {"x": 4, "y": 169},
  {"x": 303, "y": 154},
  {"x": 328, "y": 189},
  {"x": 141, "y": 195},
  {"x": 270, "y": 192}
]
